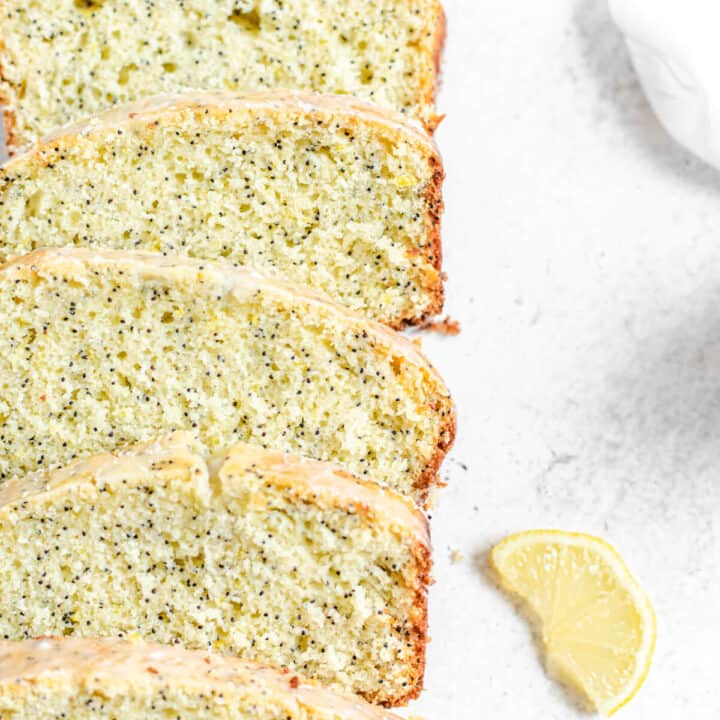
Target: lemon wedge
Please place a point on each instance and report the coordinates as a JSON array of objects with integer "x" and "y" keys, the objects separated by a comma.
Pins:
[{"x": 596, "y": 623}]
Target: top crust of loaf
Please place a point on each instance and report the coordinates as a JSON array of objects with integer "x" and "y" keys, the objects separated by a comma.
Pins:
[
  {"x": 281, "y": 102},
  {"x": 119, "y": 667},
  {"x": 312, "y": 481}
]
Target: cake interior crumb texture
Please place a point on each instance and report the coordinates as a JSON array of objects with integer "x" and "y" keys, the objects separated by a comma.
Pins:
[
  {"x": 84, "y": 679},
  {"x": 65, "y": 59},
  {"x": 103, "y": 349},
  {"x": 249, "y": 553},
  {"x": 324, "y": 190}
]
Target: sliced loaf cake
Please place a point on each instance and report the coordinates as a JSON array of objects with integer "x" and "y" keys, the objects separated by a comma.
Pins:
[
  {"x": 325, "y": 190},
  {"x": 65, "y": 59},
  {"x": 117, "y": 680},
  {"x": 248, "y": 552},
  {"x": 99, "y": 349}
]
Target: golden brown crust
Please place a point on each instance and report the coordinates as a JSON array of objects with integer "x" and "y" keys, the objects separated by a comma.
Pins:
[
  {"x": 423, "y": 558},
  {"x": 430, "y": 477},
  {"x": 418, "y": 632},
  {"x": 433, "y": 254},
  {"x": 445, "y": 326},
  {"x": 434, "y": 195},
  {"x": 436, "y": 207}
]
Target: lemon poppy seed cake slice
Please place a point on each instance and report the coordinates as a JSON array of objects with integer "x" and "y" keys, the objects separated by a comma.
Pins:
[
  {"x": 325, "y": 190},
  {"x": 87, "y": 679},
  {"x": 64, "y": 59},
  {"x": 247, "y": 552},
  {"x": 99, "y": 349}
]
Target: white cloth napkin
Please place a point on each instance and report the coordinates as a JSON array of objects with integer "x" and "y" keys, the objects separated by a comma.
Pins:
[{"x": 675, "y": 47}]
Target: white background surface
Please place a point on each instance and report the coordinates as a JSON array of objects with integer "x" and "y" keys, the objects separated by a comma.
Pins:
[{"x": 583, "y": 253}]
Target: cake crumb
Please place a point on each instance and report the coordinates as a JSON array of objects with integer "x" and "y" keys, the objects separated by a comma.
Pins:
[
  {"x": 446, "y": 326},
  {"x": 456, "y": 557}
]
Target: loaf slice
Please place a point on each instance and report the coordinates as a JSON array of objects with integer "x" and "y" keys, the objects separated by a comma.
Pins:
[
  {"x": 100, "y": 349},
  {"x": 248, "y": 552},
  {"x": 119, "y": 680},
  {"x": 65, "y": 59},
  {"x": 325, "y": 190}
]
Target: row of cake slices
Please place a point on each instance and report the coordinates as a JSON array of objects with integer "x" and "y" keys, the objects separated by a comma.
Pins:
[{"x": 131, "y": 308}]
